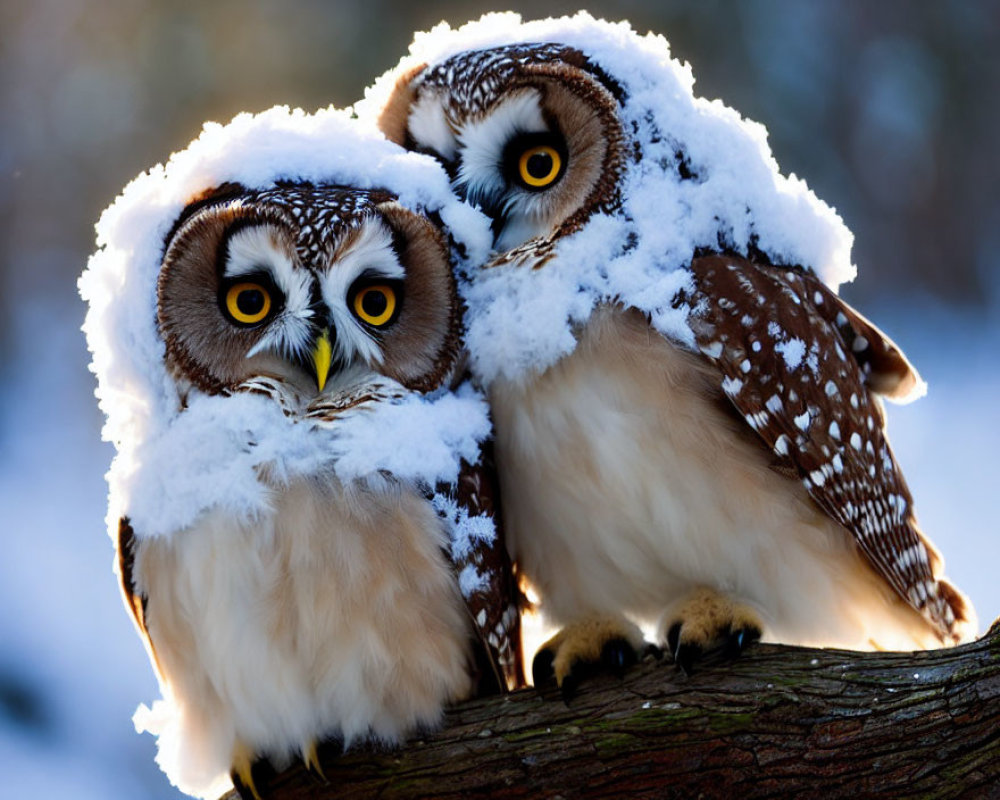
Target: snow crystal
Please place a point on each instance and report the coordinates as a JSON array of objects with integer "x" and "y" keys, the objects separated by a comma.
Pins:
[
  {"x": 793, "y": 352},
  {"x": 712, "y": 350},
  {"x": 732, "y": 386},
  {"x": 470, "y": 581},
  {"x": 467, "y": 531},
  {"x": 522, "y": 320}
]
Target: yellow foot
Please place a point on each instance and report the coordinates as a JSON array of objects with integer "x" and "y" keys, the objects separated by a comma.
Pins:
[
  {"x": 311, "y": 761},
  {"x": 706, "y": 618},
  {"x": 242, "y": 773},
  {"x": 585, "y": 646}
]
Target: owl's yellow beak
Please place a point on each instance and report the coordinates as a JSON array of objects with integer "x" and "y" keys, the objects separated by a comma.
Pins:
[{"x": 322, "y": 356}]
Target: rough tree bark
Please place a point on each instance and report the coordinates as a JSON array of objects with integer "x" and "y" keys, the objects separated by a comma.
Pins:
[{"x": 779, "y": 722}]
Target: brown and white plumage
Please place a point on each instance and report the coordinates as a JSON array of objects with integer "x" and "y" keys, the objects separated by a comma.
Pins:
[
  {"x": 805, "y": 370},
  {"x": 630, "y": 486},
  {"x": 338, "y": 611}
]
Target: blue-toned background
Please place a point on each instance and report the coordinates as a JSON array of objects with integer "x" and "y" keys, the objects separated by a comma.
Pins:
[{"x": 890, "y": 110}]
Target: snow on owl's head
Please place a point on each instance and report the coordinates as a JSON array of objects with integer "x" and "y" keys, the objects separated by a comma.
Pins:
[
  {"x": 530, "y": 133},
  {"x": 549, "y": 125}
]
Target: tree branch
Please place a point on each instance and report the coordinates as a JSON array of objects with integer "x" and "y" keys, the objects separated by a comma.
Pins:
[{"x": 781, "y": 721}]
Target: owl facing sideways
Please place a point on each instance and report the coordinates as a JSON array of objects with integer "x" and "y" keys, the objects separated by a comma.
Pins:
[
  {"x": 299, "y": 323},
  {"x": 688, "y": 420}
]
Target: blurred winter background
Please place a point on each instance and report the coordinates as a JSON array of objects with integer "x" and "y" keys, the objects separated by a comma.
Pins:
[{"x": 890, "y": 110}]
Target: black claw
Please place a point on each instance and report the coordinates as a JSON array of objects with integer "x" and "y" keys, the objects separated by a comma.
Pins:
[
  {"x": 569, "y": 686},
  {"x": 740, "y": 640},
  {"x": 686, "y": 655},
  {"x": 315, "y": 774},
  {"x": 241, "y": 790},
  {"x": 541, "y": 667},
  {"x": 617, "y": 656},
  {"x": 261, "y": 773},
  {"x": 674, "y": 638}
]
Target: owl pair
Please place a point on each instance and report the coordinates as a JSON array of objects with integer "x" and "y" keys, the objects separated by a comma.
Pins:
[{"x": 688, "y": 431}]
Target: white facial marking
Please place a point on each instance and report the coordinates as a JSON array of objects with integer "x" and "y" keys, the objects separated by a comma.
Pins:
[
  {"x": 480, "y": 173},
  {"x": 428, "y": 125},
  {"x": 255, "y": 250},
  {"x": 371, "y": 254}
]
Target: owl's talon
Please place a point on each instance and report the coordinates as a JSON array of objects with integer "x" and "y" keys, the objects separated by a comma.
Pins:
[
  {"x": 687, "y": 656},
  {"x": 242, "y": 777},
  {"x": 589, "y": 645},
  {"x": 707, "y": 619},
  {"x": 674, "y": 638},
  {"x": 568, "y": 687},
  {"x": 310, "y": 760},
  {"x": 618, "y": 655},
  {"x": 684, "y": 654},
  {"x": 541, "y": 667},
  {"x": 740, "y": 639}
]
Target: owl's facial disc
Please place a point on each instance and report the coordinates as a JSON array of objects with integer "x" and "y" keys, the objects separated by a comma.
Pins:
[
  {"x": 510, "y": 163},
  {"x": 539, "y": 158},
  {"x": 248, "y": 291},
  {"x": 355, "y": 293}
]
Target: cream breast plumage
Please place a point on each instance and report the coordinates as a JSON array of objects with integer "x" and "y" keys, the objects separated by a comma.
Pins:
[
  {"x": 689, "y": 423},
  {"x": 302, "y": 498}
]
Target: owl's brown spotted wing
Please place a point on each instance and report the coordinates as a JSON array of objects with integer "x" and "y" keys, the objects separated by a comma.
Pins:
[
  {"x": 492, "y": 596},
  {"x": 135, "y": 600},
  {"x": 803, "y": 369}
]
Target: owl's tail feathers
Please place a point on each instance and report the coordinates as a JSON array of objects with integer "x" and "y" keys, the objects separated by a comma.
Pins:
[
  {"x": 957, "y": 607},
  {"x": 943, "y": 604}
]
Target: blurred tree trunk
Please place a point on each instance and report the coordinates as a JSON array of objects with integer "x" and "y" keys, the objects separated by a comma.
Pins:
[{"x": 781, "y": 721}]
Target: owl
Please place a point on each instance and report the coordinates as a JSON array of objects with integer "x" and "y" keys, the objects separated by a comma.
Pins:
[
  {"x": 328, "y": 582},
  {"x": 689, "y": 421}
]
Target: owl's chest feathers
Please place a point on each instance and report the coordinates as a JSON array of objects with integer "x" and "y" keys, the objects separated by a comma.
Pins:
[
  {"x": 335, "y": 614},
  {"x": 626, "y": 483}
]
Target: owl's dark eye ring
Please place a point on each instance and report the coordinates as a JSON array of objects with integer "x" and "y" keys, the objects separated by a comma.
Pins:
[
  {"x": 376, "y": 302},
  {"x": 535, "y": 161},
  {"x": 248, "y": 301}
]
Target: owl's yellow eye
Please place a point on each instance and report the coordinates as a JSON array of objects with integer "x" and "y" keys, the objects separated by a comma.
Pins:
[
  {"x": 375, "y": 304},
  {"x": 539, "y": 166},
  {"x": 248, "y": 303}
]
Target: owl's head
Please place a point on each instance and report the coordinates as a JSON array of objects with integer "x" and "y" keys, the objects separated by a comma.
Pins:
[
  {"x": 530, "y": 133},
  {"x": 317, "y": 286}
]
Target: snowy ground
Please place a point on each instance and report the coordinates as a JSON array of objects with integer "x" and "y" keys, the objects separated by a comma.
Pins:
[{"x": 72, "y": 669}]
